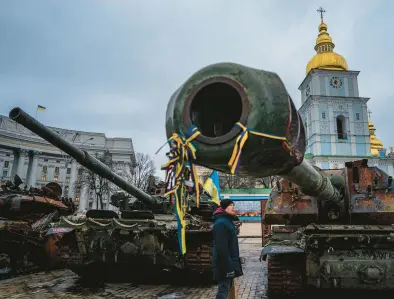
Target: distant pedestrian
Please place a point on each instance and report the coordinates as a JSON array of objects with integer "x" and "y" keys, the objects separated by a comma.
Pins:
[{"x": 226, "y": 261}]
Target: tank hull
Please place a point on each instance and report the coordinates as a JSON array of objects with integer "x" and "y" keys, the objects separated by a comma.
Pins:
[
  {"x": 329, "y": 257},
  {"x": 118, "y": 243},
  {"x": 326, "y": 246}
]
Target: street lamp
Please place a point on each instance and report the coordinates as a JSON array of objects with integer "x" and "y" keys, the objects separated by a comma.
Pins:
[{"x": 91, "y": 138}]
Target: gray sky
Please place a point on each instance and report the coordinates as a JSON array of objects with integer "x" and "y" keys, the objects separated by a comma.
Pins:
[{"x": 111, "y": 66}]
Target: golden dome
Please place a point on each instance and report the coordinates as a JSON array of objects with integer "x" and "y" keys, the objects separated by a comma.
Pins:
[
  {"x": 325, "y": 58},
  {"x": 375, "y": 142}
]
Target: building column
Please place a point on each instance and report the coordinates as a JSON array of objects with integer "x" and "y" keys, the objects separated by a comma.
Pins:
[
  {"x": 50, "y": 173},
  {"x": 84, "y": 199},
  {"x": 21, "y": 169},
  {"x": 73, "y": 178},
  {"x": 1, "y": 166},
  {"x": 31, "y": 180}
]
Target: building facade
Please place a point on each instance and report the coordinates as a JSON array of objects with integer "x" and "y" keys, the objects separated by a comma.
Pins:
[
  {"x": 37, "y": 162},
  {"x": 336, "y": 118}
]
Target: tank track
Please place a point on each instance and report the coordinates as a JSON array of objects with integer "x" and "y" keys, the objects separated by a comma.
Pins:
[
  {"x": 286, "y": 275},
  {"x": 200, "y": 259}
]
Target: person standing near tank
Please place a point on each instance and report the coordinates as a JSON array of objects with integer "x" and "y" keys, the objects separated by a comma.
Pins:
[{"x": 226, "y": 261}]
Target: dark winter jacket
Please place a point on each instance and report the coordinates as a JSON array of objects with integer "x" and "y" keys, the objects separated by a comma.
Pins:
[{"x": 226, "y": 262}]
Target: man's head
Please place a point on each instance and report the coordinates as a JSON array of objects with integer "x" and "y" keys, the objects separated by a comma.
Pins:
[{"x": 228, "y": 206}]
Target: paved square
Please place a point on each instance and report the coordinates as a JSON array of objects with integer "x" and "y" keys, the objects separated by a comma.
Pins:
[{"x": 64, "y": 284}]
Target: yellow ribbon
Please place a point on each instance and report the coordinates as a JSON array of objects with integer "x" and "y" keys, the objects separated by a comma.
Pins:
[
  {"x": 240, "y": 142},
  {"x": 182, "y": 152}
]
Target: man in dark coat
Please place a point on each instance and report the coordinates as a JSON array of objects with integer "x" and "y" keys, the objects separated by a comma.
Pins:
[{"x": 226, "y": 261}]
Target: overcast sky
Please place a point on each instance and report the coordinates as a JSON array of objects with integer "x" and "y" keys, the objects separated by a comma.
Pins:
[{"x": 111, "y": 66}]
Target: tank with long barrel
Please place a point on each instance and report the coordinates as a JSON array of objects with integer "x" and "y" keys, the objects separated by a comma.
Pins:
[
  {"x": 225, "y": 101},
  {"x": 331, "y": 228},
  {"x": 81, "y": 156}
]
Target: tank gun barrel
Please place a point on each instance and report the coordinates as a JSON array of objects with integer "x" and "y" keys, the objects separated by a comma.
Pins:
[
  {"x": 313, "y": 182},
  {"x": 248, "y": 115},
  {"x": 81, "y": 156}
]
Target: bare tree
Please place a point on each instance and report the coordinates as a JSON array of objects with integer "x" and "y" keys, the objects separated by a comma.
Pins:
[
  {"x": 228, "y": 181},
  {"x": 269, "y": 181},
  {"x": 139, "y": 176},
  {"x": 100, "y": 186}
]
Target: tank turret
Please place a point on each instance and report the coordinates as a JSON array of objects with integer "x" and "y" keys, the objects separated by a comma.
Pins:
[{"x": 82, "y": 157}]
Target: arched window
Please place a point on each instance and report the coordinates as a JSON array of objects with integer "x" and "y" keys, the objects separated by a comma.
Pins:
[{"x": 341, "y": 127}]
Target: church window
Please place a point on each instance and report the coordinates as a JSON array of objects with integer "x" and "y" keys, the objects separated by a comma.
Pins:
[
  {"x": 357, "y": 116},
  {"x": 323, "y": 115},
  {"x": 43, "y": 177},
  {"x": 6, "y": 164},
  {"x": 341, "y": 127},
  {"x": 44, "y": 169}
]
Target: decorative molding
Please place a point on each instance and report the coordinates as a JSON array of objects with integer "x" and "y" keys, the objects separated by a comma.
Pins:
[
  {"x": 324, "y": 128},
  {"x": 359, "y": 127},
  {"x": 23, "y": 152}
]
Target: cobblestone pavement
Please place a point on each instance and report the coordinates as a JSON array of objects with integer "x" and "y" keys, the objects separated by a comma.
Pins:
[
  {"x": 250, "y": 229},
  {"x": 65, "y": 284}
]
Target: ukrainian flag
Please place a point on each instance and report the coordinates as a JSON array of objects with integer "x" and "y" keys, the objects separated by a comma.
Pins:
[
  {"x": 212, "y": 186},
  {"x": 41, "y": 108}
]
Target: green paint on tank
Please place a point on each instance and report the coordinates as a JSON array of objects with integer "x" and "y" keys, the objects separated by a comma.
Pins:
[{"x": 265, "y": 107}]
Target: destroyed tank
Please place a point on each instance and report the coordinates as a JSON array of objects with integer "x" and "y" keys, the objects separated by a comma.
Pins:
[
  {"x": 331, "y": 228},
  {"x": 144, "y": 233},
  {"x": 25, "y": 217}
]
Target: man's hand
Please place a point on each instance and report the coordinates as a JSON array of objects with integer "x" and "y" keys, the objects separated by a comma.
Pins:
[{"x": 230, "y": 274}]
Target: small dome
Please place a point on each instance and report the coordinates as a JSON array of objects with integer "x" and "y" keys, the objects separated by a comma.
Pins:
[{"x": 375, "y": 142}]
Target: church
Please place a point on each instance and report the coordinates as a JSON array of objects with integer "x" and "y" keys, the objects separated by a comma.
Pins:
[{"x": 336, "y": 118}]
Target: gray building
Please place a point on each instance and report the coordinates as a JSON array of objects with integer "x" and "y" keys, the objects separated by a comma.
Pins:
[{"x": 37, "y": 162}]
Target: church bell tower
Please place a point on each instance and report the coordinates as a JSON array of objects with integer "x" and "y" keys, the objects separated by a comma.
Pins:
[{"x": 334, "y": 115}]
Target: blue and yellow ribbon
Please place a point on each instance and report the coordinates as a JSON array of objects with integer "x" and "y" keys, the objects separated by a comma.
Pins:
[
  {"x": 240, "y": 142},
  {"x": 182, "y": 155}
]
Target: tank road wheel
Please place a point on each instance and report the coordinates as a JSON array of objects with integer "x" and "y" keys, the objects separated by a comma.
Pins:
[{"x": 286, "y": 275}]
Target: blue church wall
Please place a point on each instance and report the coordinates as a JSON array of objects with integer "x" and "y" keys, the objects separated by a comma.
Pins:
[
  {"x": 322, "y": 85},
  {"x": 350, "y": 88},
  {"x": 344, "y": 149},
  {"x": 325, "y": 144},
  {"x": 325, "y": 165},
  {"x": 361, "y": 149},
  {"x": 341, "y": 91}
]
